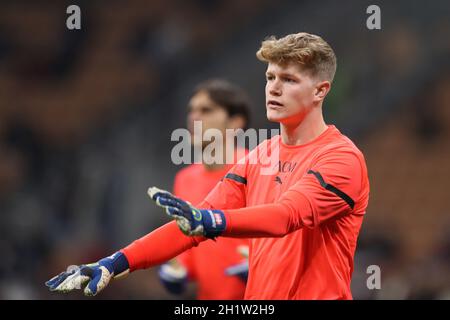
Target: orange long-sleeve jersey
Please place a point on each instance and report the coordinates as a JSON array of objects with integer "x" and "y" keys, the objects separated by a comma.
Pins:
[{"x": 304, "y": 216}]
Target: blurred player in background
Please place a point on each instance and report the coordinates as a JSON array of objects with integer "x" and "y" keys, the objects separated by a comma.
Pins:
[
  {"x": 220, "y": 105},
  {"x": 304, "y": 216}
]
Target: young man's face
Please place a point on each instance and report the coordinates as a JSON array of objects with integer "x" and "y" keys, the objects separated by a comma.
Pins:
[
  {"x": 290, "y": 93},
  {"x": 202, "y": 108}
]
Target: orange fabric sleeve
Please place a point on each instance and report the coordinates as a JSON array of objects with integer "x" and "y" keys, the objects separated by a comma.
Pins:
[
  {"x": 269, "y": 220},
  {"x": 159, "y": 246},
  {"x": 186, "y": 259}
]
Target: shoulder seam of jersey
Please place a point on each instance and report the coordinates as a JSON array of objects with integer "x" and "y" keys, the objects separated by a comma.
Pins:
[
  {"x": 236, "y": 178},
  {"x": 333, "y": 189}
]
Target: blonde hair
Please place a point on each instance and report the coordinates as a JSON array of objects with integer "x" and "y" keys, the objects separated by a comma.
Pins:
[{"x": 309, "y": 51}]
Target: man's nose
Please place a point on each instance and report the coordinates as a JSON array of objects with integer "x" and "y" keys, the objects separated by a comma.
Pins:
[{"x": 275, "y": 89}]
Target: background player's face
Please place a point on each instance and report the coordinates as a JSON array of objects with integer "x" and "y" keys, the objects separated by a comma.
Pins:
[
  {"x": 202, "y": 108},
  {"x": 290, "y": 93}
]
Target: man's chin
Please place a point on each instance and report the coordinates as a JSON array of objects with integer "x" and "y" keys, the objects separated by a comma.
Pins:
[{"x": 274, "y": 117}]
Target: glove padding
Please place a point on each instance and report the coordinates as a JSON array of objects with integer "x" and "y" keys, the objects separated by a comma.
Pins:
[
  {"x": 93, "y": 277},
  {"x": 190, "y": 220}
]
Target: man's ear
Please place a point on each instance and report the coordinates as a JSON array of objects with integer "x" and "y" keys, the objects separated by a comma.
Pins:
[
  {"x": 322, "y": 89},
  {"x": 236, "y": 122}
]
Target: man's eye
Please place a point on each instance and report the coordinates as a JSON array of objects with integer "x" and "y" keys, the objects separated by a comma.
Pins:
[
  {"x": 205, "y": 110},
  {"x": 268, "y": 78}
]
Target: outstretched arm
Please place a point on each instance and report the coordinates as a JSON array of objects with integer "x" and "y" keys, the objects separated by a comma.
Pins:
[
  {"x": 153, "y": 249},
  {"x": 269, "y": 220},
  {"x": 158, "y": 246},
  {"x": 331, "y": 188}
]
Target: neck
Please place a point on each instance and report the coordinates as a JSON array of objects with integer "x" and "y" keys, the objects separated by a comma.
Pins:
[{"x": 307, "y": 129}]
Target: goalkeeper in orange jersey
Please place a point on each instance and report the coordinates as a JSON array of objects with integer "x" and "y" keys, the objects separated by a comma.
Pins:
[
  {"x": 303, "y": 215},
  {"x": 215, "y": 104}
]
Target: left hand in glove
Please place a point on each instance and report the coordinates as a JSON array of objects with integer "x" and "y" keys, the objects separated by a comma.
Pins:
[
  {"x": 190, "y": 220},
  {"x": 95, "y": 276}
]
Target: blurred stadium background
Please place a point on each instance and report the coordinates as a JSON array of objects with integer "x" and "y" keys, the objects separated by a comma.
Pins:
[{"x": 86, "y": 118}]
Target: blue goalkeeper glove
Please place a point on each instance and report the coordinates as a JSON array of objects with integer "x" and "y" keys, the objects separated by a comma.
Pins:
[
  {"x": 240, "y": 269},
  {"x": 95, "y": 276},
  {"x": 173, "y": 276},
  {"x": 190, "y": 220}
]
